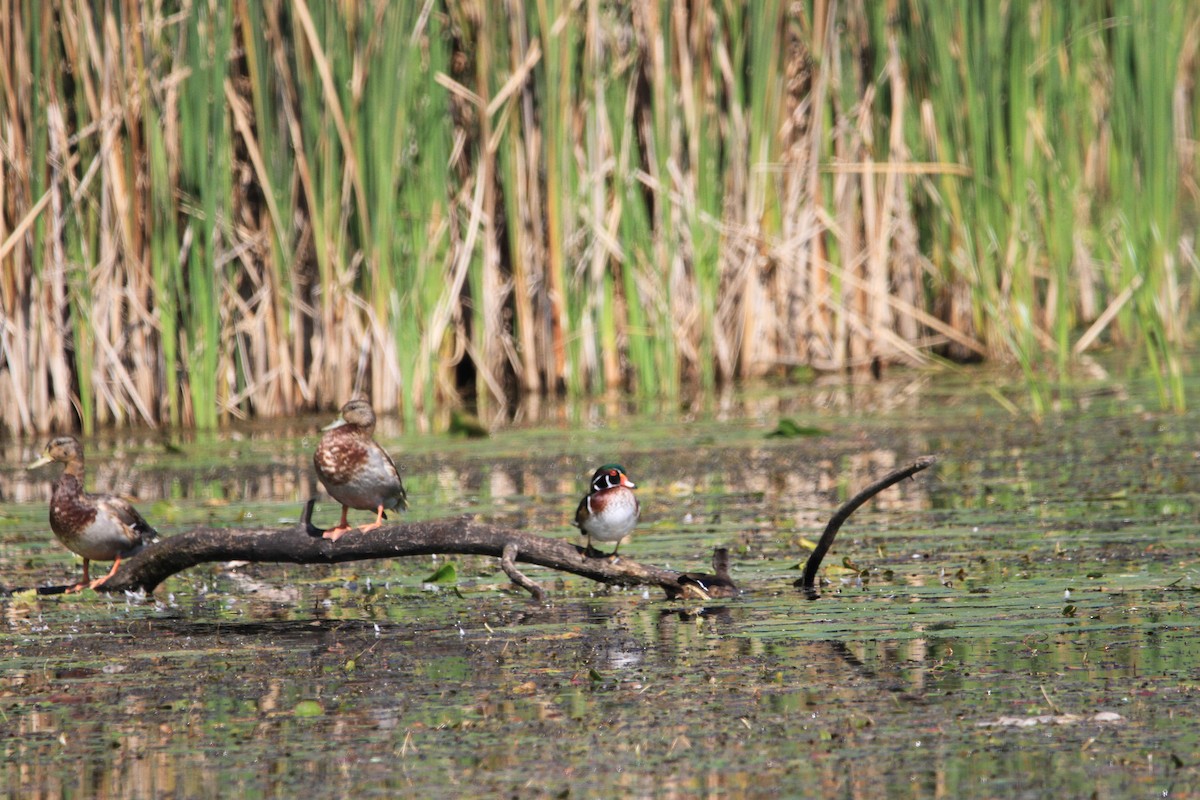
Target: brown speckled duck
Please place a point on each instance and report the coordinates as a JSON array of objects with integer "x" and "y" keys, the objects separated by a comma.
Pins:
[
  {"x": 98, "y": 527},
  {"x": 356, "y": 471}
]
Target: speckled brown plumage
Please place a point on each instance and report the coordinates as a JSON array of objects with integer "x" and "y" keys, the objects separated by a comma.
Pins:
[
  {"x": 98, "y": 527},
  {"x": 70, "y": 508},
  {"x": 355, "y": 470},
  {"x": 340, "y": 454}
]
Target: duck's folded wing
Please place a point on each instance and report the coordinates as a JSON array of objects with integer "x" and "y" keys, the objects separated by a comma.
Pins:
[
  {"x": 123, "y": 510},
  {"x": 391, "y": 467},
  {"x": 581, "y": 513}
]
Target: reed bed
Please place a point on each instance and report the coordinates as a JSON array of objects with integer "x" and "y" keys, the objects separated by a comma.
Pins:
[{"x": 214, "y": 210}]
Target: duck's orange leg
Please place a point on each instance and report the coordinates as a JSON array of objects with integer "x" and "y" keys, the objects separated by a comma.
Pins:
[
  {"x": 111, "y": 572},
  {"x": 336, "y": 532},
  {"x": 370, "y": 526},
  {"x": 83, "y": 584}
]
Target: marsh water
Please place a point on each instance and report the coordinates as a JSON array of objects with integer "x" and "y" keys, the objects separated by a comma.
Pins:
[{"x": 1018, "y": 621}]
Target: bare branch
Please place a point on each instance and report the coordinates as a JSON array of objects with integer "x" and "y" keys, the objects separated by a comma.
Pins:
[
  {"x": 508, "y": 564},
  {"x": 302, "y": 543},
  {"x": 808, "y": 581}
]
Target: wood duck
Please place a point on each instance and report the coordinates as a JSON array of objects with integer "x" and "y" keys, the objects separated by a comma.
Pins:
[
  {"x": 98, "y": 527},
  {"x": 610, "y": 510},
  {"x": 356, "y": 471}
]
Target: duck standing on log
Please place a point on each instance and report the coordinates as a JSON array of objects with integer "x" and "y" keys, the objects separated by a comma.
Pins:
[
  {"x": 355, "y": 470},
  {"x": 99, "y": 527},
  {"x": 610, "y": 510}
]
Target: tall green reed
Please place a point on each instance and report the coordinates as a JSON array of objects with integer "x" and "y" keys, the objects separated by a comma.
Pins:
[
  {"x": 205, "y": 173},
  {"x": 451, "y": 198},
  {"x": 1145, "y": 178}
]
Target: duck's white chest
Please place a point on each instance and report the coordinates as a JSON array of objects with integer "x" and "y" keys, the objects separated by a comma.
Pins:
[{"x": 612, "y": 516}]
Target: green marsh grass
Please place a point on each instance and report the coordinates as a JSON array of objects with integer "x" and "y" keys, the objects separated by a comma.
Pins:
[{"x": 214, "y": 211}]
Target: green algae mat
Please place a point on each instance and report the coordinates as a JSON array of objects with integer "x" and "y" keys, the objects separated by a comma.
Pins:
[{"x": 1018, "y": 621}]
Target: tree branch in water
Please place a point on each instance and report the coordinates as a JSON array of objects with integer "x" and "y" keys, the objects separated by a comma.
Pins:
[
  {"x": 302, "y": 544},
  {"x": 808, "y": 581}
]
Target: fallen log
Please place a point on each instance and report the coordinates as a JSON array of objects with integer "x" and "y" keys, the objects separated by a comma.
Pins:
[{"x": 302, "y": 543}]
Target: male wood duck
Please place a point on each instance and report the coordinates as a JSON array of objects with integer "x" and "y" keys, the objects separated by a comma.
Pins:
[
  {"x": 98, "y": 527},
  {"x": 610, "y": 510},
  {"x": 356, "y": 471}
]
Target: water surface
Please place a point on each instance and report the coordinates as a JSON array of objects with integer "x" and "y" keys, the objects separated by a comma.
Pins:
[{"x": 976, "y": 619}]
